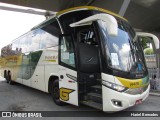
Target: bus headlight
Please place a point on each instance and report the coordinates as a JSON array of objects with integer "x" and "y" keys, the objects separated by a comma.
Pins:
[{"x": 114, "y": 86}]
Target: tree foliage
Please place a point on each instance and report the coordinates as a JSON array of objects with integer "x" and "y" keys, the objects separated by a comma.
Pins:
[
  {"x": 148, "y": 51},
  {"x": 144, "y": 42}
]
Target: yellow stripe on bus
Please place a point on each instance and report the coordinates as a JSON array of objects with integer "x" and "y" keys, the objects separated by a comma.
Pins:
[
  {"x": 89, "y": 8},
  {"x": 131, "y": 83},
  {"x": 50, "y": 60}
]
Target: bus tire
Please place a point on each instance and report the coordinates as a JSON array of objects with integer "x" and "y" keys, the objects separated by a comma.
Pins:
[{"x": 55, "y": 93}]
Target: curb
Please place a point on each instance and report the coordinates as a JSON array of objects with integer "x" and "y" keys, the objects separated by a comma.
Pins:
[{"x": 154, "y": 94}]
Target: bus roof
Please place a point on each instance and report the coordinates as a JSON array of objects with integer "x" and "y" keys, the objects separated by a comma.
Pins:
[
  {"x": 75, "y": 9},
  {"x": 88, "y": 8}
]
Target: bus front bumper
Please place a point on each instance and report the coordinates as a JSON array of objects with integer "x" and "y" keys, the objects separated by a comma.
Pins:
[{"x": 116, "y": 101}]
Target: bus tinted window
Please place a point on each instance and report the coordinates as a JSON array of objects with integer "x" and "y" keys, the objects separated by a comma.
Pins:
[
  {"x": 50, "y": 35},
  {"x": 72, "y": 17},
  {"x": 16, "y": 47},
  {"x": 67, "y": 52},
  {"x": 34, "y": 40},
  {"x": 48, "y": 40},
  {"x": 23, "y": 44}
]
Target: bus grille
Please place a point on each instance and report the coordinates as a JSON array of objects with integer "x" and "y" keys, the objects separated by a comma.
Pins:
[{"x": 135, "y": 91}]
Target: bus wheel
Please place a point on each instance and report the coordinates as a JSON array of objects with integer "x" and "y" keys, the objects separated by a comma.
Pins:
[
  {"x": 55, "y": 93},
  {"x": 9, "y": 78}
]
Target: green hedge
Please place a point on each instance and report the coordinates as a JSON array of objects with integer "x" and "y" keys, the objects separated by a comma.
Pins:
[{"x": 148, "y": 51}]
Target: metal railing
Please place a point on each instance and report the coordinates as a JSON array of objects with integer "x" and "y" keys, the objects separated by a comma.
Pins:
[{"x": 153, "y": 70}]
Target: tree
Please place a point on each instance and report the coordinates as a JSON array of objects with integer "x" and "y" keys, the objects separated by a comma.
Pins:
[
  {"x": 148, "y": 51},
  {"x": 144, "y": 42}
]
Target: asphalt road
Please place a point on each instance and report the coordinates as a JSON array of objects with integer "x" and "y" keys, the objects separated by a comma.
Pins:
[{"x": 22, "y": 98}]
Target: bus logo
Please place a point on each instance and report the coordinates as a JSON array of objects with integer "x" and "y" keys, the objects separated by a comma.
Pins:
[{"x": 64, "y": 93}]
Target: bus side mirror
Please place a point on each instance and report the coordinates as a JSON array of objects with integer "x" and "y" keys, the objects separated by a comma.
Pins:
[
  {"x": 110, "y": 22},
  {"x": 155, "y": 39}
]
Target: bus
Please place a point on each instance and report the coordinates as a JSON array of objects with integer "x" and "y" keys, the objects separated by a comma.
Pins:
[{"x": 82, "y": 55}]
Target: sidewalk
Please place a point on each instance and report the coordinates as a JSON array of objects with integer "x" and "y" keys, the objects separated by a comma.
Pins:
[
  {"x": 1, "y": 78},
  {"x": 154, "y": 92}
]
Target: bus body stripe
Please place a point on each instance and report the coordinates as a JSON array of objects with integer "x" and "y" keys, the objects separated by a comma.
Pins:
[
  {"x": 89, "y": 8},
  {"x": 134, "y": 83}
]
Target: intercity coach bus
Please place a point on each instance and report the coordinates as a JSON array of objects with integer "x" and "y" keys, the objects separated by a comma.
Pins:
[{"x": 82, "y": 55}]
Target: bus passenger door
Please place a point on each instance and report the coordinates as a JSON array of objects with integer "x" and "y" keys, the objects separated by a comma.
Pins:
[{"x": 68, "y": 84}]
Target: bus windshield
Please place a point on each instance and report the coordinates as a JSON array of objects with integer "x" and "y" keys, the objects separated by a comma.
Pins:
[{"x": 121, "y": 52}]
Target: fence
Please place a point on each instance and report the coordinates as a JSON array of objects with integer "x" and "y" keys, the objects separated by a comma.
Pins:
[
  {"x": 152, "y": 68},
  {"x": 151, "y": 64}
]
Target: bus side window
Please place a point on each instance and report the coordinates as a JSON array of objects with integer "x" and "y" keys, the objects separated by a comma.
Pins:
[
  {"x": 50, "y": 34},
  {"x": 67, "y": 54}
]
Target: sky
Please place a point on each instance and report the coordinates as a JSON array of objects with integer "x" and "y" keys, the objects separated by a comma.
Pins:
[{"x": 14, "y": 24}]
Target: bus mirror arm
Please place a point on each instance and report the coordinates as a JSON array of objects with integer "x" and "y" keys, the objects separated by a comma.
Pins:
[{"x": 111, "y": 22}]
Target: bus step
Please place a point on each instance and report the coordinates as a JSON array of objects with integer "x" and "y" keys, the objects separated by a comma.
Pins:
[
  {"x": 95, "y": 97},
  {"x": 93, "y": 104},
  {"x": 96, "y": 89}
]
